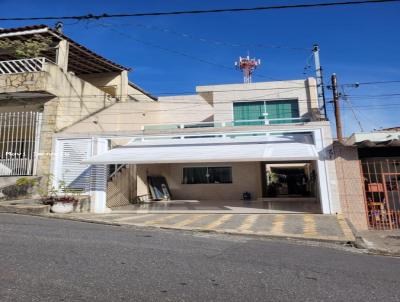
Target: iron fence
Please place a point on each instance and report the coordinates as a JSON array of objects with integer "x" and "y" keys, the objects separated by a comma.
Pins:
[
  {"x": 19, "y": 142},
  {"x": 382, "y": 193}
]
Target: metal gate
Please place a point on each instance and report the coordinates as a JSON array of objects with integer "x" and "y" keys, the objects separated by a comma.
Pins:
[
  {"x": 382, "y": 193},
  {"x": 19, "y": 142}
]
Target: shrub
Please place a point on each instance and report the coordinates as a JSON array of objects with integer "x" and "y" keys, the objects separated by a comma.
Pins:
[
  {"x": 50, "y": 200},
  {"x": 22, "y": 187}
]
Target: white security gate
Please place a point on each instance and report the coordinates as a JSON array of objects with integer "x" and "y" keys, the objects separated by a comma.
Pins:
[
  {"x": 19, "y": 142},
  {"x": 70, "y": 171}
]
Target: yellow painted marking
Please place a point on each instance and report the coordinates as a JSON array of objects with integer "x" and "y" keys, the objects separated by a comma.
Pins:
[
  {"x": 310, "y": 228},
  {"x": 248, "y": 222},
  {"x": 345, "y": 228},
  {"x": 133, "y": 217},
  {"x": 278, "y": 223},
  {"x": 161, "y": 219},
  {"x": 219, "y": 221},
  {"x": 188, "y": 221}
]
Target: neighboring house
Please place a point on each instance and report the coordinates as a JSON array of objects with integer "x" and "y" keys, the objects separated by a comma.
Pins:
[
  {"x": 44, "y": 95},
  {"x": 368, "y": 167}
]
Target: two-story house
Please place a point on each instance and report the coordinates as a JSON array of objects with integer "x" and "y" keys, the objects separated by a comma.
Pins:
[
  {"x": 41, "y": 96},
  {"x": 260, "y": 141}
]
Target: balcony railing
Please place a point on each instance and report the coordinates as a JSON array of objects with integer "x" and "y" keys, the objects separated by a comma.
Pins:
[
  {"x": 258, "y": 122},
  {"x": 22, "y": 65}
]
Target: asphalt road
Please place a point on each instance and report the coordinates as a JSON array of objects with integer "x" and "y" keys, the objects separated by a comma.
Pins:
[{"x": 55, "y": 260}]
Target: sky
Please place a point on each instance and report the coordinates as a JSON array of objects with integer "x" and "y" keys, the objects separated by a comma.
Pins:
[{"x": 174, "y": 54}]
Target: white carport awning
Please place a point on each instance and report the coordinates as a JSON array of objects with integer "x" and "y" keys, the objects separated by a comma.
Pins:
[{"x": 208, "y": 150}]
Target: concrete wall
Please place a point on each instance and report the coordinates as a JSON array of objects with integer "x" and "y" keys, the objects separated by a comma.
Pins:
[
  {"x": 37, "y": 106},
  {"x": 350, "y": 185},
  {"x": 23, "y": 82},
  {"x": 116, "y": 80},
  {"x": 75, "y": 100},
  {"x": 246, "y": 176},
  {"x": 186, "y": 109},
  {"x": 132, "y": 115}
]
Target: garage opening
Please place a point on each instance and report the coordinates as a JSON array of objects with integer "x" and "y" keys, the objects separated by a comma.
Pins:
[{"x": 291, "y": 185}]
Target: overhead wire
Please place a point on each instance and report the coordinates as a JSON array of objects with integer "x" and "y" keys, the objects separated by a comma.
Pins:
[
  {"x": 210, "y": 41},
  {"x": 201, "y": 11},
  {"x": 351, "y": 108},
  {"x": 113, "y": 28},
  {"x": 182, "y": 94}
]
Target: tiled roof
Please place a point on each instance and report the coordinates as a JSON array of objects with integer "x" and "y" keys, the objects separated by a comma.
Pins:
[
  {"x": 388, "y": 143},
  {"x": 62, "y": 36}
]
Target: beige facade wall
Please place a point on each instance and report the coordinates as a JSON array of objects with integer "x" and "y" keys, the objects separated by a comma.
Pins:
[
  {"x": 223, "y": 96},
  {"x": 133, "y": 115},
  {"x": 246, "y": 177},
  {"x": 117, "y": 81},
  {"x": 186, "y": 109},
  {"x": 23, "y": 108},
  {"x": 74, "y": 100},
  {"x": 212, "y": 103},
  {"x": 350, "y": 185},
  {"x": 23, "y": 82}
]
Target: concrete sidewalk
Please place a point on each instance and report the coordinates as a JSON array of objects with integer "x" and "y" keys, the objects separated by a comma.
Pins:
[
  {"x": 380, "y": 242},
  {"x": 24, "y": 206},
  {"x": 328, "y": 228}
]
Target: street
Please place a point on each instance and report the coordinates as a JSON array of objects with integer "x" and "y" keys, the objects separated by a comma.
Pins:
[{"x": 45, "y": 259}]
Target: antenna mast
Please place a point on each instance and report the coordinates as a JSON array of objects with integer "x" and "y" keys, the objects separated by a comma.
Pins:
[
  {"x": 320, "y": 82},
  {"x": 247, "y": 66}
]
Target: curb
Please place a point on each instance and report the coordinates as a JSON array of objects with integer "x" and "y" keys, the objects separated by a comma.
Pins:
[
  {"x": 55, "y": 216},
  {"x": 346, "y": 241},
  {"x": 361, "y": 243},
  {"x": 266, "y": 235},
  {"x": 25, "y": 209}
]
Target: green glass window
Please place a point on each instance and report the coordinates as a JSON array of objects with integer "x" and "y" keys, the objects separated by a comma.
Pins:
[
  {"x": 255, "y": 113},
  {"x": 207, "y": 175}
]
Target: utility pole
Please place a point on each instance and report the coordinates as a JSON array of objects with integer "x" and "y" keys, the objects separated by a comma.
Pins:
[
  {"x": 337, "y": 108},
  {"x": 320, "y": 82}
]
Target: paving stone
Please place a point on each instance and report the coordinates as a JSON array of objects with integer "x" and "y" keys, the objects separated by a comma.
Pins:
[
  {"x": 233, "y": 223},
  {"x": 264, "y": 223},
  {"x": 328, "y": 225},
  {"x": 294, "y": 224},
  {"x": 206, "y": 220}
]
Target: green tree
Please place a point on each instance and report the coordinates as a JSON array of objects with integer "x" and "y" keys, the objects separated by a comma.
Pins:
[{"x": 28, "y": 48}]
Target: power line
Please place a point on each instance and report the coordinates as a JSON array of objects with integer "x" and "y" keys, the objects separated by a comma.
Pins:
[
  {"x": 210, "y": 41},
  {"x": 204, "y": 11},
  {"x": 187, "y": 110},
  {"x": 112, "y": 27},
  {"x": 183, "y": 94},
  {"x": 357, "y": 84},
  {"x": 346, "y": 99}
]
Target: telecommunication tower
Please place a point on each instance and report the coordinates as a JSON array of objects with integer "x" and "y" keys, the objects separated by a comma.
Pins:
[{"x": 247, "y": 66}]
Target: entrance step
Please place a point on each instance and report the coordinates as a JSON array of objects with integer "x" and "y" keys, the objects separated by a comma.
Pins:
[
  {"x": 30, "y": 207},
  {"x": 296, "y": 204}
]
